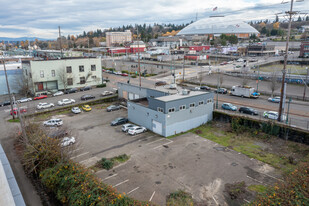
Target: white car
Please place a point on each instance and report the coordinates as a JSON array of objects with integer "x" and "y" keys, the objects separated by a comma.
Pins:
[
  {"x": 126, "y": 127},
  {"x": 66, "y": 101},
  {"x": 76, "y": 110},
  {"x": 106, "y": 93},
  {"x": 240, "y": 60},
  {"x": 59, "y": 93},
  {"x": 136, "y": 130},
  {"x": 53, "y": 122},
  {"x": 44, "y": 105},
  {"x": 273, "y": 115},
  {"x": 24, "y": 99},
  {"x": 67, "y": 141}
]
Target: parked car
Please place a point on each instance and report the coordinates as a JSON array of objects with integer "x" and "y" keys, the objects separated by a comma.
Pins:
[
  {"x": 136, "y": 130},
  {"x": 196, "y": 89},
  {"x": 273, "y": 115},
  {"x": 67, "y": 141},
  {"x": 24, "y": 99},
  {"x": 248, "y": 110},
  {"x": 40, "y": 97},
  {"x": 72, "y": 90},
  {"x": 59, "y": 93},
  {"x": 85, "y": 88},
  {"x": 44, "y": 105},
  {"x": 15, "y": 111},
  {"x": 87, "y": 96},
  {"x": 119, "y": 120},
  {"x": 205, "y": 88},
  {"x": 229, "y": 106},
  {"x": 76, "y": 110},
  {"x": 106, "y": 93},
  {"x": 172, "y": 86},
  {"x": 66, "y": 101},
  {"x": 118, "y": 73},
  {"x": 113, "y": 108},
  {"x": 221, "y": 91},
  {"x": 53, "y": 122},
  {"x": 160, "y": 83},
  {"x": 5, "y": 103},
  {"x": 105, "y": 80},
  {"x": 124, "y": 74},
  {"x": 240, "y": 60},
  {"x": 275, "y": 99},
  {"x": 223, "y": 63},
  {"x": 126, "y": 127},
  {"x": 86, "y": 108}
]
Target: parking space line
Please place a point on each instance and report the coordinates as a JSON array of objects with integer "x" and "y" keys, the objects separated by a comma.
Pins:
[
  {"x": 255, "y": 180},
  {"x": 133, "y": 190},
  {"x": 155, "y": 141},
  {"x": 147, "y": 138},
  {"x": 162, "y": 145},
  {"x": 106, "y": 178},
  {"x": 272, "y": 177},
  {"x": 120, "y": 183},
  {"x": 79, "y": 155},
  {"x": 215, "y": 200},
  {"x": 81, "y": 162},
  {"x": 152, "y": 196},
  {"x": 76, "y": 150}
]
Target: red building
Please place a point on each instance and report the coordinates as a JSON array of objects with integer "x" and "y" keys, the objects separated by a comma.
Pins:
[{"x": 199, "y": 48}]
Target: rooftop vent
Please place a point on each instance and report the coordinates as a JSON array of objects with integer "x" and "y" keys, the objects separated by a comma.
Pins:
[{"x": 185, "y": 92}]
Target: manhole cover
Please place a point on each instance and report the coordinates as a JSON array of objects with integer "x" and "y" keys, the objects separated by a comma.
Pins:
[
  {"x": 234, "y": 164},
  {"x": 158, "y": 182},
  {"x": 220, "y": 148}
]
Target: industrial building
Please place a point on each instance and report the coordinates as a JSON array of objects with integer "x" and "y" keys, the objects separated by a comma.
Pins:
[
  {"x": 167, "y": 114},
  {"x": 304, "y": 49},
  {"x": 214, "y": 27},
  {"x": 113, "y": 38},
  {"x": 59, "y": 74}
]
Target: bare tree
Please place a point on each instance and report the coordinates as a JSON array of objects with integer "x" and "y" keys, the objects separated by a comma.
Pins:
[
  {"x": 200, "y": 77},
  {"x": 273, "y": 85},
  {"x": 22, "y": 84},
  {"x": 63, "y": 77}
]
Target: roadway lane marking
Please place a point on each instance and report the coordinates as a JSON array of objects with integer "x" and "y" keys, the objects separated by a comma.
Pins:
[
  {"x": 120, "y": 183},
  {"x": 162, "y": 145},
  {"x": 152, "y": 196},
  {"x": 79, "y": 155},
  {"x": 133, "y": 190},
  {"x": 155, "y": 141},
  {"x": 106, "y": 178}
]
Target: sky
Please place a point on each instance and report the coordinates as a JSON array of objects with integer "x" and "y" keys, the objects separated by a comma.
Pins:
[{"x": 41, "y": 18}]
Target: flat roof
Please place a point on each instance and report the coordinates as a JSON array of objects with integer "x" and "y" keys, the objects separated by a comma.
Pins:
[{"x": 179, "y": 95}]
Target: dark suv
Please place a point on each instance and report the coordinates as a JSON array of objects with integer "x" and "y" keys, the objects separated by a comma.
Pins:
[
  {"x": 119, "y": 120},
  {"x": 73, "y": 90},
  {"x": 85, "y": 88},
  {"x": 160, "y": 83},
  {"x": 248, "y": 110}
]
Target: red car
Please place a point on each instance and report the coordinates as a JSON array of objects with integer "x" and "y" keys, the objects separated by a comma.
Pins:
[
  {"x": 124, "y": 74},
  {"x": 40, "y": 97},
  {"x": 21, "y": 111}
]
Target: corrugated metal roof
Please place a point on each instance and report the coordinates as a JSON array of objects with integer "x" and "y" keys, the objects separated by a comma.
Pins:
[
  {"x": 180, "y": 96},
  {"x": 218, "y": 25}
]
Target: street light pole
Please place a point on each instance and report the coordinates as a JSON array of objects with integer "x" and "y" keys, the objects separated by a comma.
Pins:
[
  {"x": 305, "y": 86},
  {"x": 8, "y": 86},
  {"x": 285, "y": 59},
  {"x": 217, "y": 89},
  {"x": 287, "y": 114}
]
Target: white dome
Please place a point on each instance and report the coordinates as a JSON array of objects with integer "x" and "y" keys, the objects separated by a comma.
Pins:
[{"x": 218, "y": 25}]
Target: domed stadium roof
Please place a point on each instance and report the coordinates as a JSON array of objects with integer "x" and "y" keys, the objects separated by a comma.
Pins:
[{"x": 218, "y": 25}]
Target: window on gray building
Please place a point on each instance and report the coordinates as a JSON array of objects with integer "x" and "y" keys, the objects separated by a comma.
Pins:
[
  {"x": 82, "y": 80},
  {"x": 160, "y": 109},
  {"x": 182, "y": 107},
  {"x": 69, "y": 69},
  {"x": 81, "y": 68},
  {"x": 200, "y": 102},
  {"x": 53, "y": 72},
  {"x": 93, "y": 67},
  {"x": 192, "y": 105},
  {"x": 93, "y": 77},
  {"x": 70, "y": 81},
  {"x": 41, "y": 73},
  {"x": 171, "y": 110}
]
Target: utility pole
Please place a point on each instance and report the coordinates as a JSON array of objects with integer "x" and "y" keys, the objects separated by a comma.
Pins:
[
  {"x": 287, "y": 114},
  {"x": 257, "y": 83},
  {"x": 305, "y": 86},
  {"x": 217, "y": 89},
  {"x": 290, "y": 13},
  {"x": 8, "y": 86},
  {"x": 183, "y": 68},
  {"x": 139, "y": 63},
  {"x": 60, "y": 42}
]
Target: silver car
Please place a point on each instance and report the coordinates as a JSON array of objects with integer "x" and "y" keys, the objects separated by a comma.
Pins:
[
  {"x": 53, "y": 122},
  {"x": 66, "y": 101},
  {"x": 76, "y": 110},
  {"x": 44, "y": 105},
  {"x": 136, "y": 130},
  {"x": 67, "y": 141},
  {"x": 24, "y": 99},
  {"x": 126, "y": 127},
  {"x": 58, "y": 93}
]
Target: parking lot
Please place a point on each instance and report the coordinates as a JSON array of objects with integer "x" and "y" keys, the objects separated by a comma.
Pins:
[{"x": 159, "y": 166}]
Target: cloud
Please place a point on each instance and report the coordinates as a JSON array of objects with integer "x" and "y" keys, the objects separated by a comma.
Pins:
[{"x": 41, "y": 18}]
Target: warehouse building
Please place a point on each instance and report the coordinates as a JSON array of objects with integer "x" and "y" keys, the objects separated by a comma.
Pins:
[{"x": 167, "y": 114}]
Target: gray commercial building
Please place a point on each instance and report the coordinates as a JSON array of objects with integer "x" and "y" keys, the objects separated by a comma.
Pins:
[{"x": 167, "y": 114}]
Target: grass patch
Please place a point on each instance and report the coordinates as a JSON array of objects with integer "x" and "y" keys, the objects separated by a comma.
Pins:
[
  {"x": 179, "y": 198},
  {"x": 110, "y": 163},
  {"x": 49, "y": 114},
  {"x": 295, "y": 69},
  {"x": 247, "y": 143},
  {"x": 257, "y": 188},
  {"x": 14, "y": 120}
]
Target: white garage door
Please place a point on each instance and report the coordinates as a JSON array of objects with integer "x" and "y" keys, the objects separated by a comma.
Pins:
[{"x": 156, "y": 127}]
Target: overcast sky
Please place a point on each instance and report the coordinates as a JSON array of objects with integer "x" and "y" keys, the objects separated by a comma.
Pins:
[{"x": 41, "y": 18}]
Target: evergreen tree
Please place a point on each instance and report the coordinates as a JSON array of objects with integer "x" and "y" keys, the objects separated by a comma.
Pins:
[{"x": 299, "y": 19}]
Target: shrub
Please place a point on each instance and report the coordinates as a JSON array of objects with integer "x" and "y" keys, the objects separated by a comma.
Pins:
[
  {"x": 179, "y": 198},
  {"x": 125, "y": 71},
  {"x": 293, "y": 191},
  {"x": 236, "y": 190},
  {"x": 121, "y": 158},
  {"x": 134, "y": 76},
  {"x": 101, "y": 85},
  {"x": 106, "y": 164}
]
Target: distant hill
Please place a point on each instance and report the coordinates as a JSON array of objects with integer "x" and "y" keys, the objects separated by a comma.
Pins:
[{"x": 22, "y": 39}]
